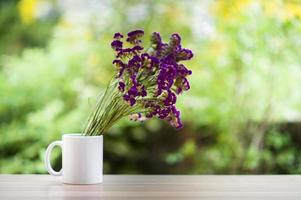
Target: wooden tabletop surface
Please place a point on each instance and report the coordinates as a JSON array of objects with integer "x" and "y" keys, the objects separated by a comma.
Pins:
[{"x": 117, "y": 187}]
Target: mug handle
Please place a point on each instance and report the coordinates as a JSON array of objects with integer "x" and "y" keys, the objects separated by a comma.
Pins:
[{"x": 47, "y": 158}]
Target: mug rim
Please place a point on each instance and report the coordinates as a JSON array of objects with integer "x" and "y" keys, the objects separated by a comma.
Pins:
[{"x": 79, "y": 135}]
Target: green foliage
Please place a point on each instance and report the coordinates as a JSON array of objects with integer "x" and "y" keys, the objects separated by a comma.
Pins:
[
  {"x": 242, "y": 114},
  {"x": 15, "y": 35}
]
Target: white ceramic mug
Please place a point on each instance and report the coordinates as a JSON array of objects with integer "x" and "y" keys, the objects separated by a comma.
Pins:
[{"x": 82, "y": 159}]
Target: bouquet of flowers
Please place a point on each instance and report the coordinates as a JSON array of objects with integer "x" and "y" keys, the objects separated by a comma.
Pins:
[{"x": 146, "y": 83}]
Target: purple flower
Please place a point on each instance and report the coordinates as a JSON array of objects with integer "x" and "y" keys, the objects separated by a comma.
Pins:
[
  {"x": 118, "y": 63},
  {"x": 152, "y": 80},
  {"x": 156, "y": 38},
  {"x": 161, "y": 50},
  {"x": 133, "y": 79},
  {"x": 184, "y": 54},
  {"x": 186, "y": 84},
  {"x": 148, "y": 61},
  {"x": 133, "y": 91},
  {"x": 181, "y": 84},
  {"x": 166, "y": 76},
  {"x": 129, "y": 52},
  {"x": 121, "y": 86},
  {"x": 136, "y": 33},
  {"x": 133, "y": 36},
  {"x": 183, "y": 71},
  {"x": 163, "y": 113},
  {"x": 135, "y": 62},
  {"x": 141, "y": 90},
  {"x": 175, "y": 40},
  {"x": 116, "y": 45},
  {"x": 136, "y": 49},
  {"x": 170, "y": 99},
  {"x": 120, "y": 66},
  {"x": 129, "y": 99},
  {"x": 118, "y": 36},
  {"x": 179, "y": 90}
]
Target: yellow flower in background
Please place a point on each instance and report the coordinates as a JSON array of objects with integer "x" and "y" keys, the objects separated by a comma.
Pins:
[
  {"x": 231, "y": 9},
  {"x": 286, "y": 10},
  {"x": 270, "y": 8},
  {"x": 293, "y": 9},
  {"x": 27, "y": 10}
]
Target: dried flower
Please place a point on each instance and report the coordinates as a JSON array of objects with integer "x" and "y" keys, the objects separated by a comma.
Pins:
[{"x": 147, "y": 83}]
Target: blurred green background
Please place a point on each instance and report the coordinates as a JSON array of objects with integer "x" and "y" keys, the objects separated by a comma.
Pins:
[{"x": 241, "y": 116}]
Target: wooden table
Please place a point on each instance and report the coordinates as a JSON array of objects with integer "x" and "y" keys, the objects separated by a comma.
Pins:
[{"x": 154, "y": 187}]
